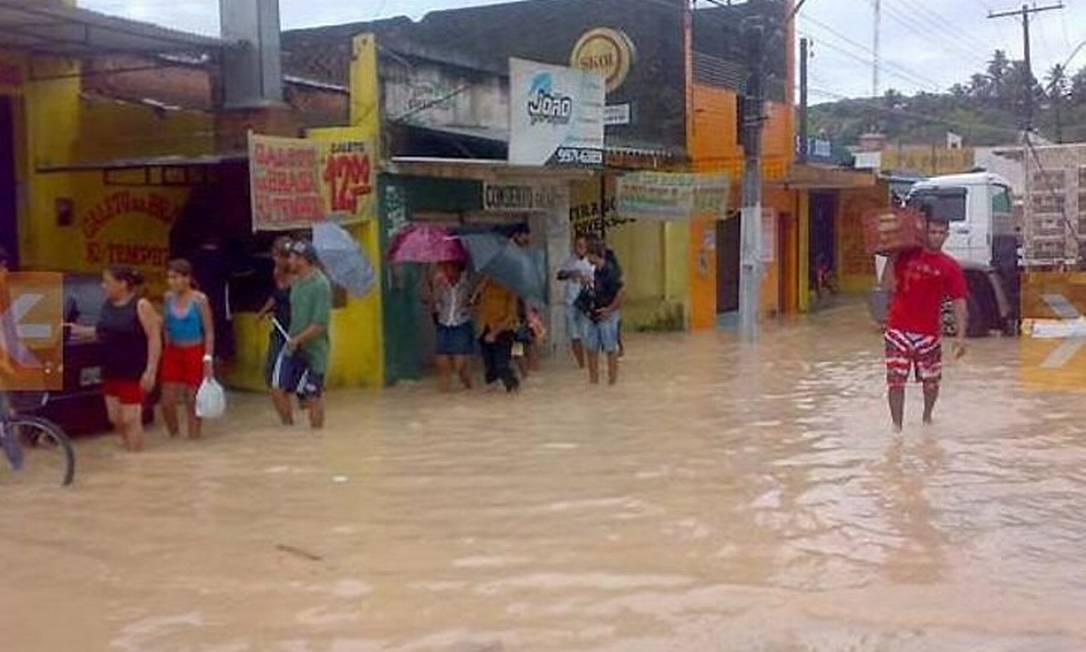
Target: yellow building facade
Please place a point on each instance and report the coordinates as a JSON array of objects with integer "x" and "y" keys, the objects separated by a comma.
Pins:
[{"x": 77, "y": 208}]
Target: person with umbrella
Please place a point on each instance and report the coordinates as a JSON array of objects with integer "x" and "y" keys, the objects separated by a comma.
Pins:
[
  {"x": 498, "y": 320},
  {"x": 518, "y": 269},
  {"x": 308, "y": 343},
  {"x": 525, "y": 337},
  {"x": 451, "y": 307},
  {"x": 449, "y": 295}
]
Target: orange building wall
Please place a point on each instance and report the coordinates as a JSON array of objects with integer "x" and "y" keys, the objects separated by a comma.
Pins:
[
  {"x": 856, "y": 268},
  {"x": 773, "y": 295},
  {"x": 714, "y": 146}
]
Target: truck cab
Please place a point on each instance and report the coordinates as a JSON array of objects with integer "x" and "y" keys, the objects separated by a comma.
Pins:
[
  {"x": 984, "y": 238},
  {"x": 980, "y": 210}
]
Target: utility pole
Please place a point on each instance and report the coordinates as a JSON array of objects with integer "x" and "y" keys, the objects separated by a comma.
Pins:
[
  {"x": 1025, "y": 12},
  {"x": 875, "y": 49},
  {"x": 753, "y": 119},
  {"x": 1059, "y": 119},
  {"x": 804, "y": 134}
]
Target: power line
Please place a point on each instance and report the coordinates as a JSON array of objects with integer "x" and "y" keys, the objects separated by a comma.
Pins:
[
  {"x": 1025, "y": 12},
  {"x": 906, "y": 77},
  {"x": 868, "y": 49},
  {"x": 919, "y": 24},
  {"x": 1042, "y": 38},
  {"x": 940, "y": 24},
  {"x": 935, "y": 32},
  {"x": 1002, "y": 29},
  {"x": 1069, "y": 59},
  {"x": 1066, "y": 31},
  {"x": 947, "y": 46}
]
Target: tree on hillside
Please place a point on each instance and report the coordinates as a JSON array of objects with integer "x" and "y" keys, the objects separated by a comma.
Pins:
[
  {"x": 1020, "y": 85},
  {"x": 1057, "y": 88},
  {"x": 892, "y": 103},
  {"x": 988, "y": 110},
  {"x": 999, "y": 68},
  {"x": 1057, "y": 85},
  {"x": 980, "y": 86},
  {"x": 1078, "y": 87}
]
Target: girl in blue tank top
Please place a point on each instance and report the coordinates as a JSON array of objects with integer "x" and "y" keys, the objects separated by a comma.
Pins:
[{"x": 190, "y": 347}]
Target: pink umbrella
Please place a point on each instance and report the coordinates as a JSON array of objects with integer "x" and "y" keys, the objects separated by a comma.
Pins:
[{"x": 425, "y": 244}]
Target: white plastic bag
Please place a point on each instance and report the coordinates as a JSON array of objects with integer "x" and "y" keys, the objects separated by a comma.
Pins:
[{"x": 210, "y": 399}]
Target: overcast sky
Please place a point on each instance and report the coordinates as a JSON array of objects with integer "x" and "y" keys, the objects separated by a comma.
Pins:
[{"x": 926, "y": 44}]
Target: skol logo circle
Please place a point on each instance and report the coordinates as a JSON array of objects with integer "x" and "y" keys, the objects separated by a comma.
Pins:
[{"x": 606, "y": 51}]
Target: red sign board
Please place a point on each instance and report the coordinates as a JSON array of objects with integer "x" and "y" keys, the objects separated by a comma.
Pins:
[{"x": 296, "y": 183}]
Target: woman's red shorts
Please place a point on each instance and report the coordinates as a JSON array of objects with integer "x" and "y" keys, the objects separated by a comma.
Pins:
[
  {"x": 183, "y": 365},
  {"x": 127, "y": 392}
]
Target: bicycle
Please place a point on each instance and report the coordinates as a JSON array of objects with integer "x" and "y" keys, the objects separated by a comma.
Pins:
[{"x": 35, "y": 447}]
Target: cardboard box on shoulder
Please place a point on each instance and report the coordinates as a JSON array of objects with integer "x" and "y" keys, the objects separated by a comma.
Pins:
[{"x": 893, "y": 229}]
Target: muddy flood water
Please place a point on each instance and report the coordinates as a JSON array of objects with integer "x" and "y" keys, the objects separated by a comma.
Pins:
[{"x": 718, "y": 499}]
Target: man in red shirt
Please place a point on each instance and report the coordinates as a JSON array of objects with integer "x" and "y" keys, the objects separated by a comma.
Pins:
[{"x": 918, "y": 281}]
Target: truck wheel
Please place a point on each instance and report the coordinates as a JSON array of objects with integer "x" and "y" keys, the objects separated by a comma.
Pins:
[
  {"x": 946, "y": 317},
  {"x": 979, "y": 320}
]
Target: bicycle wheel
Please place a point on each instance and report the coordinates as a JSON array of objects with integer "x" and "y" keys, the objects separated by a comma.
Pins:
[{"x": 38, "y": 450}]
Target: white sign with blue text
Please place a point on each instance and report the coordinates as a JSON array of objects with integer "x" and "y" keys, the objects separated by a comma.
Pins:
[{"x": 556, "y": 115}]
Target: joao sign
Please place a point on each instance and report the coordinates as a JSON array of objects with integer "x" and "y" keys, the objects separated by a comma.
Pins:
[
  {"x": 296, "y": 182},
  {"x": 556, "y": 115}
]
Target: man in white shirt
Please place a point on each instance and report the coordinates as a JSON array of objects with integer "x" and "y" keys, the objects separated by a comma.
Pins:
[{"x": 577, "y": 272}]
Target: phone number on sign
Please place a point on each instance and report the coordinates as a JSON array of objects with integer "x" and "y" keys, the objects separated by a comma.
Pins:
[{"x": 578, "y": 156}]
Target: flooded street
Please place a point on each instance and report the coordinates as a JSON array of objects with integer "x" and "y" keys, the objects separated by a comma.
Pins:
[{"x": 717, "y": 499}]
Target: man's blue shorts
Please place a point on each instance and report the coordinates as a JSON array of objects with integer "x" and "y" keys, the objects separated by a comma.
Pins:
[{"x": 602, "y": 335}]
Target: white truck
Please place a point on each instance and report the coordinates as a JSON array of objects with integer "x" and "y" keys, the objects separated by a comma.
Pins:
[{"x": 985, "y": 239}]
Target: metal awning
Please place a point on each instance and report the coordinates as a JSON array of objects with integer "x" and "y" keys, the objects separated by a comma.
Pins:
[
  {"x": 817, "y": 177},
  {"x": 496, "y": 136},
  {"x": 481, "y": 169},
  {"x": 205, "y": 160},
  {"x": 50, "y": 28}
]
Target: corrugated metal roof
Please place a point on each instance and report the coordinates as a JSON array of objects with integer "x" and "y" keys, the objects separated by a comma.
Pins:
[
  {"x": 206, "y": 160},
  {"x": 56, "y": 29},
  {"x": 718, "y": 72}
]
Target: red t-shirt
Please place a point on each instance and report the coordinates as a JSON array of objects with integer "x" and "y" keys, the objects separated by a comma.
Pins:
[{"x": 924, "y": 278}]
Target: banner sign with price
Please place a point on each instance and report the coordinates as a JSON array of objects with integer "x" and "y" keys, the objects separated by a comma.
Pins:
[{"x": 297, "y": 182}]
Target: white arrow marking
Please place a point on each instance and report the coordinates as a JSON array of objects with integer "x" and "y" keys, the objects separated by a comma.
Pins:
[
  {"x": 1063, "y": 354},
  {"x": 19, "y": 309}
]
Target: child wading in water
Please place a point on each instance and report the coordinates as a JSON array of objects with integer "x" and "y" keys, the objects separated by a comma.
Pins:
[{"x": 190, "y": 348}]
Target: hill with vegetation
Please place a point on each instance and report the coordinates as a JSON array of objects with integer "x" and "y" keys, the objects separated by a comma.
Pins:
[{"x": 989, "y": 109}]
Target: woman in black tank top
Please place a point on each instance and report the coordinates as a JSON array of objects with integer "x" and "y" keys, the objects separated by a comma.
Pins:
[
  {"x": 130, "y": 331},
  {"x": 119, "y": 329}
]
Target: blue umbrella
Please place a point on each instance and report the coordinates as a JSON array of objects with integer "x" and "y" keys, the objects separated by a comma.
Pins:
[
  {"x": 522, "y": 271},
  {"x": 343, "y": 259}
]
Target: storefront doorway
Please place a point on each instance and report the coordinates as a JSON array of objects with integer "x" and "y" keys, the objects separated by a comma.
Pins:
[
  {"x": 727, "y": 262},
  {"x": 9, "y": 237},
  {"x": 823, "y": 237}
]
